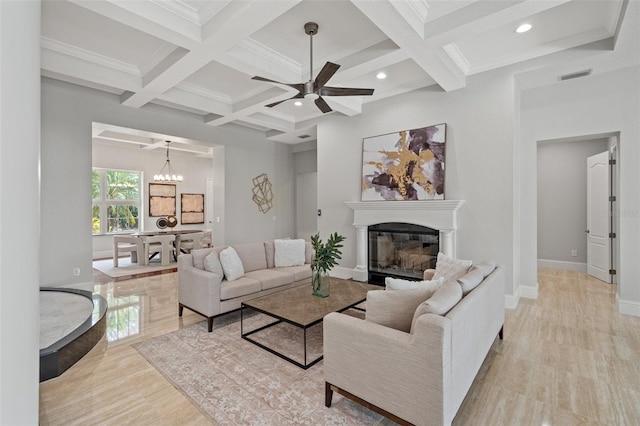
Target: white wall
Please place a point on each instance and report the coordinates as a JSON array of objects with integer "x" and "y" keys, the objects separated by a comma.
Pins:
[
  {"x": 194, "y": 170},
  {"x": 479, "y": 168},
  {"x": 603, "y": 103},
  {"x": 562, "y": 198},
  {"x": 19, "y": 211},
  {"x": 68, "y": 112}
]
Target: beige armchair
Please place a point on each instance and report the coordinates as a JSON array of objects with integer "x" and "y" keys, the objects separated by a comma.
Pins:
[
  {"x": 128, "y": 244},
  {"x": 420, "y": 376}
]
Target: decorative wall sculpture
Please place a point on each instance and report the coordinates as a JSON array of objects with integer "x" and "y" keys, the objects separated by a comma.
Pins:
[
  {"x": 162, "y": 199},
  {"x": 192, "y": 208},
  {"x": 407, "y": 165},
  {"x": 262, "y": 193}
]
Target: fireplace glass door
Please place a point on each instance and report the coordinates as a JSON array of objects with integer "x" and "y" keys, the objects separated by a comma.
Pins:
[{"x": 401, "y": 250}]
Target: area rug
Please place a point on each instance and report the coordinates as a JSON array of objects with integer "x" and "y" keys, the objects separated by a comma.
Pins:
[
  {"x": 126, "y": 268},
  {"x": 234, "y": 382}
]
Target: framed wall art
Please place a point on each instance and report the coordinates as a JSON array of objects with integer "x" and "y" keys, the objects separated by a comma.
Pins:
[
  {"x": 162, "y": 199},
  {"x": 192, "y": 208},
  {"x": 405, "y": 165}
]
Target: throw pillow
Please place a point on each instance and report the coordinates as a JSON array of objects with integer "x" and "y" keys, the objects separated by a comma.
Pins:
[
  {"x": 289, "y": 253},
  {"x": 231, "y": 264},
  {"x": 470, "y": 280},
  {"x": 394, "y": 308},
  {"x": 450, "y": 269},
  {"x": 212, "y": 264},
  {"x": 442, "y": 301},
  {"x": 400, "y": 284},
  {"x": 198, "y": 256}
]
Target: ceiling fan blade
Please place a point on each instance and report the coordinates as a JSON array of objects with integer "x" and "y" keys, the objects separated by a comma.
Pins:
[
  {"x": 345, "y": 91},
  {"x": 297, "y": 96},
  {"x": 325, "y": 74},
  {"x": 323, "y": 106},
  {"x": 298, "y": 86}
]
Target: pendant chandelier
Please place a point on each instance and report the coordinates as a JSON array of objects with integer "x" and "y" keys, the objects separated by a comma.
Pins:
[{"x": 167, "y": 174}]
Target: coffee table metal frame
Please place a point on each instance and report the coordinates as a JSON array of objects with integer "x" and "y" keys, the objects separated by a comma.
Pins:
[{"x": 280, "y": 319}]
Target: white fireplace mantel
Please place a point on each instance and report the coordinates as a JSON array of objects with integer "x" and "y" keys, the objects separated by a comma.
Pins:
[{"x": 435, "y": 214}]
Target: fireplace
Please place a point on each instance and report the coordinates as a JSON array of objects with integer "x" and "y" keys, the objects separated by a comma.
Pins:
[
  {"x": 439, "y": 215},
  {"x": 402, "y": 250}
]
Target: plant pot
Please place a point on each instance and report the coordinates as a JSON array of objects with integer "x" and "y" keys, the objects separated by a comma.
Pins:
[{"x": 320, "y": 283}]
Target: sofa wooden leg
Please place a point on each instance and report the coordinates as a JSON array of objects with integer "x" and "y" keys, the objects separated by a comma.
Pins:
[
  {"x": 501, "y": 333},
  {"x": 180, "y": 309},
  {"x": 210, "y": 324},
  {"x": 328, "y": 394}
]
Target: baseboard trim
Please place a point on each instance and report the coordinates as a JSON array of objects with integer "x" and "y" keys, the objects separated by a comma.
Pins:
[
  {"x": 511, "y": 301},
  {"x": 629, "y": 307},
  {"x": 561, "y": 264},
  {"x": 341, "y": 272},
  {"x": 529, "y": 292},
  {"x": 102, "y": 254}
]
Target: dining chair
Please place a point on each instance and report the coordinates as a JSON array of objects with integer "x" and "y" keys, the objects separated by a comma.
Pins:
[
  {"x": 184, "y": 243},
  {"x": 207, "y": 238},
  {"x": 128, "y": 244},
  {"x": 161, "y": 244}
]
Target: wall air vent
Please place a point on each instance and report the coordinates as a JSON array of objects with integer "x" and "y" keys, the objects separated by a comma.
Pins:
[
  {"x": 575, "y": 75},
  {"x": 304, "y": 136}
]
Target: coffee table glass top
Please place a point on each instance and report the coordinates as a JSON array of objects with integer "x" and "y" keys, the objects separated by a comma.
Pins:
[{"x": 299, "y": 306}]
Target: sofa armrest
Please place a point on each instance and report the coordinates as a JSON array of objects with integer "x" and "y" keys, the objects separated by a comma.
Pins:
[
  {"x": 428, "y": 274},
  {"x": 405, "y": 374},
  {"x": 198, "y": 289}
]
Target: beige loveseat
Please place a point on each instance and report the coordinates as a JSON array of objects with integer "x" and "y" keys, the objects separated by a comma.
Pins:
[
  {"x": 420, "y": 377},
  {"x": 203, "y": 289}
]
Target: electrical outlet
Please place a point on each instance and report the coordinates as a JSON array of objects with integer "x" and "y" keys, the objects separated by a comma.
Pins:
[
  {"x": 76, "y": 272},
  {"x": 574, "y": 253}
]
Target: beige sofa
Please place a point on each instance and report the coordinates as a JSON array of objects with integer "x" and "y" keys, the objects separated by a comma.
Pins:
[
  {"x": 203, "y": 289},
  {"x": 420, "y": 377}
]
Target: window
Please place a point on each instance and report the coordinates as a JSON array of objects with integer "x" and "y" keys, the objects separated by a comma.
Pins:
[{"x": 116, "y": 201}]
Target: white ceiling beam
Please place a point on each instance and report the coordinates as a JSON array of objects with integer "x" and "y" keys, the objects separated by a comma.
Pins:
[{"x": 431, "y": 58}]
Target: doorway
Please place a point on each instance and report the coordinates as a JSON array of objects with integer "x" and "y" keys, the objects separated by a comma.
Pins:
[{"x": 562, "y": 202}]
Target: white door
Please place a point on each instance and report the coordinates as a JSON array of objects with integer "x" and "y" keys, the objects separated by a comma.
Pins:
[
  {"x": 306, "y": 205},
  {"x": 598, "y": 242}
]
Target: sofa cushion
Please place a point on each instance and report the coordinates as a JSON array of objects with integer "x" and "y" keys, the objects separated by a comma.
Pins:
[
  {"x": 289, "y": 252},
  {"x": 450, "y": 269},
  {"x": 252, "y": 255},
  {"x": 442, "y": 301},
  {"x": 231, "y": 264},
  {"x": 212, "y": 263},
  {"x": 470, "y": 280},
  {"x": 299, "y": 272},
  {"x": 198, "y": 257},
  {"x": 240, "y": 287},
  {"x": 270, "y": 278},
  {"x": 394, "y": 308},
  {"x": 270, "y": 253},
  {"x": 485, "y": 267},
  {"x": 400, "y": 284}
]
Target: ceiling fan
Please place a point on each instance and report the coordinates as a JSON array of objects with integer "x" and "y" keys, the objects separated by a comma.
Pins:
[{"x": 316, "y": 89}]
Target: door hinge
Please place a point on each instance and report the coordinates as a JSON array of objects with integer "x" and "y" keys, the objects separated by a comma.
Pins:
[
  {"x": 612, "y": 234},
  {"x": 612, "y": 162},
  {"x": 612, "y": 198},
  {"x": 612, "y": 271}
]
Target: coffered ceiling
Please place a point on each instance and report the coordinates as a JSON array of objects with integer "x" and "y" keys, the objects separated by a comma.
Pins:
[{"x": 199, "y": 56}]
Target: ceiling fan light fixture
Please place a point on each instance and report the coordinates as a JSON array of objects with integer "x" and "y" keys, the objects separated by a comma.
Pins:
[
  {"x": 311, "y": 96},
  {"x": 523, "y": 28}
]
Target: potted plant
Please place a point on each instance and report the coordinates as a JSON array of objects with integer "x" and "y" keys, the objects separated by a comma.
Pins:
[{"x": 326, "y": 256}]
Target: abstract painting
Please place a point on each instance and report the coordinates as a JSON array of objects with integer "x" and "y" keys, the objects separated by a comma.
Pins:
[
  {"x": 162, "y": 199},
  {"x": 406, "y": 165},
  {"x": 262, "y": 193},
  {"x": 192, "y": 208}
]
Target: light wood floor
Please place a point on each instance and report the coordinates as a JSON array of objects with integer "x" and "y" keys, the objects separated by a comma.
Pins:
[{"x": 567, "y": 358}]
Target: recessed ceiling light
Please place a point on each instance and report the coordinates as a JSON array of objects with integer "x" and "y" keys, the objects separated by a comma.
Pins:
[
  {"x": 381, "y": 75},
  {"x": 297, "y": 103},
  {"x": 523, "y": 28}
]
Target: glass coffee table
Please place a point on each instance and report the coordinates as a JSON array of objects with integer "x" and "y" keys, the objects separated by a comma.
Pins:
[{"x": 298, "y": 307}]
